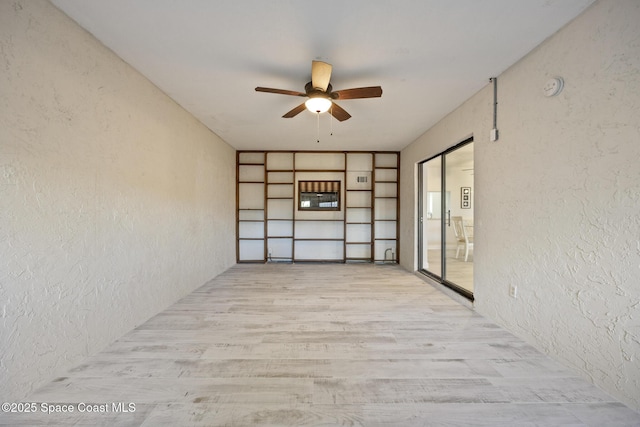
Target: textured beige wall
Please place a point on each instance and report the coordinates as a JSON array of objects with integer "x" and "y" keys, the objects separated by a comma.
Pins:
[
  {"x": 558, "y": 197},
  {"x": 114, "y": 202}
]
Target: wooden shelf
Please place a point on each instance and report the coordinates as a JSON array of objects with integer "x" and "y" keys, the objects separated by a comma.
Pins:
[
  {"x": 319, "y": 170},
  {"x": 301, "y": 239},
  {"x": 319, "y": 220}
]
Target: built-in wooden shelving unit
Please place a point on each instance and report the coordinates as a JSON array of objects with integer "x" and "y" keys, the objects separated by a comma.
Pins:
[
  {"x": 270, "y": 228},
  {"x": 250, "y": 202}
]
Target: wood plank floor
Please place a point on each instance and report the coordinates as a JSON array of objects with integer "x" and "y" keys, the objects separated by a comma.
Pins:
[
  {"x": 323, "y": 345},
  {"x": 458, "y": 270}
]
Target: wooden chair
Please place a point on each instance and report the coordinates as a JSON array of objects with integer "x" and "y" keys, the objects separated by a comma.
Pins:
[{"x": 464, "y": 240}]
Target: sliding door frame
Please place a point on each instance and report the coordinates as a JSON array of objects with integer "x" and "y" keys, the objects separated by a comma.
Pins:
[{"x": 442, "y": 279}]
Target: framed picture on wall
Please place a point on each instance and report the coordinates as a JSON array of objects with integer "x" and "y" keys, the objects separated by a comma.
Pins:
[
  {"x": 465, "y": 197},
  {"x": 318, "y": 195}
]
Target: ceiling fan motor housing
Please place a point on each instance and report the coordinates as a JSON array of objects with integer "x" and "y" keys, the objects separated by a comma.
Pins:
[{"x": 313, "y": 91}]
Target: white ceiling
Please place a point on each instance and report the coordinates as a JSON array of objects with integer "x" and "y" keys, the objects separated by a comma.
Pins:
[{"x": 429, "y": 56}]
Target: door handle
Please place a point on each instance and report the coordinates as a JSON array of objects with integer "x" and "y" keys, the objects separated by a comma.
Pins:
[{"x": 449, "y": 218}]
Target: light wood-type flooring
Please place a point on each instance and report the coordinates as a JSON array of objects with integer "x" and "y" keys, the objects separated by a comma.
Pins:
[
  {"x": 458, "y": 270},
  {"x": 323, "y": 345}
]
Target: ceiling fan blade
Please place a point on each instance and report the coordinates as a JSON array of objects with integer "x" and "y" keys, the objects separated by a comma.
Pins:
[
  {"x": 320, "y": 75},
  {"x": 358, "y": 93},
  {"x": 280, "y": 91},
  {"x": 339, "y": 113},
  {"x": 299, "y": 109}
]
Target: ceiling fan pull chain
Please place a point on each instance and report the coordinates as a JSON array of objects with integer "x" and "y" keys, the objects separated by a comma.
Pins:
[
  {"x": 318, "y": 127},
  {"x": 331, "y": 120}
]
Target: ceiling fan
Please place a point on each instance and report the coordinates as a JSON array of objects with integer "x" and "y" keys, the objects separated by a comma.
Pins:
[{"x": 321, "y": 96}]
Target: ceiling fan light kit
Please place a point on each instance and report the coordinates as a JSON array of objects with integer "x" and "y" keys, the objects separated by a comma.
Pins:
[
  {"x": 321, "y": 95},
  {"x": 318, "y": 104}
]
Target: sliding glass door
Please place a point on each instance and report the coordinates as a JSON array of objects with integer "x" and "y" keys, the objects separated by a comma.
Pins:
[
  {"x": 432, "y": 208},
  {"x": 445, "y": 244}
]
